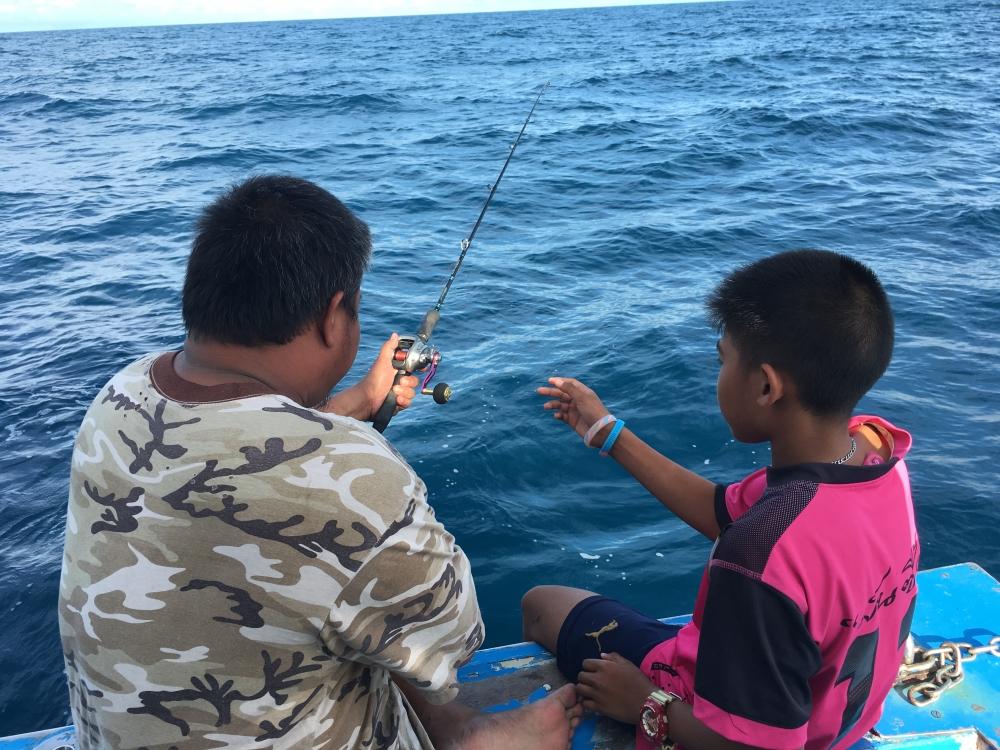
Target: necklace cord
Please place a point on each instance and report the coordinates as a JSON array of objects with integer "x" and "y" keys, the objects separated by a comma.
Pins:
[{"x": 850, "y": 454}]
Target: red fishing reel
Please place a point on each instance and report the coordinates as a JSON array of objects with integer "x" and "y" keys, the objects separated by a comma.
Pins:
[{"x": 413, "y": 355}]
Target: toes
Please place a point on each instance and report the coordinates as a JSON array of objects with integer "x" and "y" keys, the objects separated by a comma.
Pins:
[{"x": 566, "y": 695}]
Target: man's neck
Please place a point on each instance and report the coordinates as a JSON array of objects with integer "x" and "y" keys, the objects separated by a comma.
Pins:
[{"x": 214, "y": 363}]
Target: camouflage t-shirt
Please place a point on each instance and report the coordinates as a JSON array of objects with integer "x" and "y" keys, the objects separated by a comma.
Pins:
[{"x": 243, "y": 572}]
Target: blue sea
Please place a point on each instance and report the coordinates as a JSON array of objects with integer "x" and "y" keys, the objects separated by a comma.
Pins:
[{"x": 674, "y": 143}]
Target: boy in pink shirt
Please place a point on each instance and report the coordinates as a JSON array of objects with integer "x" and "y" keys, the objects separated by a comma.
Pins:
[{"x": 806, "y": 602}]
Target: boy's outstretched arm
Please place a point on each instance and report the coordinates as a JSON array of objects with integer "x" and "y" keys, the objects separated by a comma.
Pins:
[{"x": 690, "y": 496}]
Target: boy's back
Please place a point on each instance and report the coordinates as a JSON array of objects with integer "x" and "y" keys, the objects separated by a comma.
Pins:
[{"x": 805, "y": 604}]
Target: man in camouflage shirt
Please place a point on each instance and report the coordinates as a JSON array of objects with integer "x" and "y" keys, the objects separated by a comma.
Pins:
[{"x": 244, "y": 569}]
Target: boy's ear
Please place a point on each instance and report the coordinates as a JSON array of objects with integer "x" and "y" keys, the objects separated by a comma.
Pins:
[
  {"x": 331, "y": 320},
  {"x": 772, "y": 386}
]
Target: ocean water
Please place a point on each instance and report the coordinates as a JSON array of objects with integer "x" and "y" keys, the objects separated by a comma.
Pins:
[{"x": 674, "y": 143}]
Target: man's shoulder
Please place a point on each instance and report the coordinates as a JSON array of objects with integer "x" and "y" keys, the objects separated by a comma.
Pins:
[
  {"x": 136, "y": 387},
  {"x": 149, "y": 434},
  {"x": 133, "y": 375},
  {"x": 352, "y": 445}
]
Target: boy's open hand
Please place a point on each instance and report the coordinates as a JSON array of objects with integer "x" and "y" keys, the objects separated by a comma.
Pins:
[
  {"x": 613, "y": 686},
  {"x": 573, "y": 403}
]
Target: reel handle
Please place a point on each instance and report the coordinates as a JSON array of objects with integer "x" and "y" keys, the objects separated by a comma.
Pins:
[
  {"x": 388, "y": 408},
  {"x": 441, "y": 393}
]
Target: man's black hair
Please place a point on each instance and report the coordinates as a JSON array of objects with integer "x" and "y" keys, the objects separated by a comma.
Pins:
[
  {"x": 820, "y": 317},
  {"x": 267, "y": 257}
]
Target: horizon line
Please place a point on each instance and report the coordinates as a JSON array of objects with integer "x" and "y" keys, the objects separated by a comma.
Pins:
[{"x": 600, "y": 5}]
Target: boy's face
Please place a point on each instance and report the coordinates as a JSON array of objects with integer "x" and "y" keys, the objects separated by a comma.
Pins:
[{"x": 737, "y": 392}]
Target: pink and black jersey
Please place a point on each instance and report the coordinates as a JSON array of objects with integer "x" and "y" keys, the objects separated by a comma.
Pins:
[{"x": 806, "y": 603}]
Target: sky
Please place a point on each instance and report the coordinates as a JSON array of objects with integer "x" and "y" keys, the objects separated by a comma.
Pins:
[{"x": 39, "y": 15}]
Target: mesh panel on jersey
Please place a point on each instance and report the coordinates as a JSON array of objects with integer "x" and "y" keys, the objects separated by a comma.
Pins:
[{"x": 748, "y": 541}]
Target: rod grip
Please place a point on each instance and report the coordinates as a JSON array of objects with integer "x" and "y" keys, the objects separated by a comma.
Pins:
[
  {"x": 427, "y": 325},
  {"x": 388, "y": 407}
]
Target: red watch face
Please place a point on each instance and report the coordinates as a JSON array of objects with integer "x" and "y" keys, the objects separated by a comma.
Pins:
[{"x": 654, "y": 722}]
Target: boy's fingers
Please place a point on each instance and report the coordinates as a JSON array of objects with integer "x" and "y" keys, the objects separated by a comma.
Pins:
[
  {"x": 588, "y": 679},
  {"x": 586, "y": 692},
  {"x": 615, "y": 657},
  {"x": 591, "y": 665},
  {"x": 553, "y": 392},
  {"x": 570, "y": 386},
  {"x": 573, "y": 387}
]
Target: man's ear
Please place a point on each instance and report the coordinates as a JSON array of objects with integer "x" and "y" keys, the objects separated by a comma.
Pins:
[
  {"x": 331, "y": 321},
  {"x": 771, "y": 386}
]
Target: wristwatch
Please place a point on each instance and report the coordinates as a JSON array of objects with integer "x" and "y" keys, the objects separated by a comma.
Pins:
[{"x": 653, "y": 718}]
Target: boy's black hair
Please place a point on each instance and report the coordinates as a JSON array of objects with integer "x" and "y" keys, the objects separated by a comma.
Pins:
[
  {"x": 818, "y": 316},
  {"x": 267, "y": 257}
]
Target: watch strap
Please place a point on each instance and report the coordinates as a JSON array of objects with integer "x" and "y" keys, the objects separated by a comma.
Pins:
[{"x": 662, "y": 697}]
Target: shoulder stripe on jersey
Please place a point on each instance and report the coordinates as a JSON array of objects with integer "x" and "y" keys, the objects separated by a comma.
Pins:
[{"x": 748, "y": 541}]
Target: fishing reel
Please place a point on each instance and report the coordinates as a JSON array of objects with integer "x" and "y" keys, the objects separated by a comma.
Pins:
[{"x": 413, "y": 354}]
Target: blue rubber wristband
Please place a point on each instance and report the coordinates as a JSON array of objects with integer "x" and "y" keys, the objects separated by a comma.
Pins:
[{"x": 612, "y": 437}]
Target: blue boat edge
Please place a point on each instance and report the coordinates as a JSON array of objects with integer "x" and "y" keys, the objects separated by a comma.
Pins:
[{"x": 956, "y": 603}]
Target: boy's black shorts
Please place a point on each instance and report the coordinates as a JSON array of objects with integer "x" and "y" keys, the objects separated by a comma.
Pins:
[{"x": 635, "y": 635}]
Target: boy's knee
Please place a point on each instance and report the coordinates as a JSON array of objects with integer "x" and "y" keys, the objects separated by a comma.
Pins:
[
  {"x": 528, "y": 601},
  {"x": 532, "y": 609},
  {"x": 529, "y": 597},
  {"x": 534, "y": 598}
]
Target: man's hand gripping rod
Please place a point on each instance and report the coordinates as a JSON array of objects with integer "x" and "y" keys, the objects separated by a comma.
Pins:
[{"x": 414, "y": 353}]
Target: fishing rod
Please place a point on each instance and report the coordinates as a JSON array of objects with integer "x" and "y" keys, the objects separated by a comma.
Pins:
[{"x": 414, "y": 353}]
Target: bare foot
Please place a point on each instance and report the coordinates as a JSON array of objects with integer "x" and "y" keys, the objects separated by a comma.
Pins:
[
  {"x": 547, "y": 724},
  {"x": 615, "y": 687}
]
